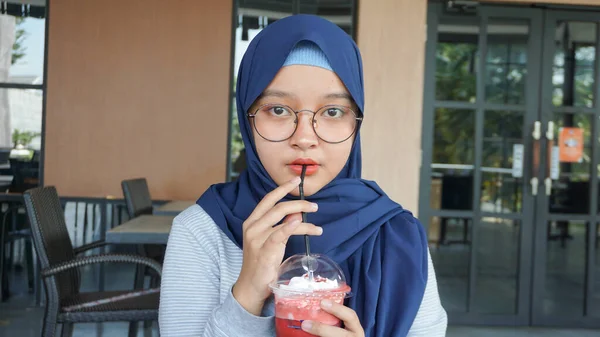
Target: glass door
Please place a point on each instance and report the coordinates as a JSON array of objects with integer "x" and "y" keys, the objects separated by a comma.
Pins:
[
  {"x": 511, "y": 165},
  {"x": 566, "y": 287},
  {"x": 481, "y": 96}
]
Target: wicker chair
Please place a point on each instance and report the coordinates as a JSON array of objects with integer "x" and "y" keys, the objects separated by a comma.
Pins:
[
  {"x": 65, "y": 304},
  {"x": 139, "y": 202},
  {"x": 137, "y": 196}
]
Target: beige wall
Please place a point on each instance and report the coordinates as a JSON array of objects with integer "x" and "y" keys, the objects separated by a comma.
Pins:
[
  {"x": 137, "y": 88},
  {"x": 391, "y": 36}
]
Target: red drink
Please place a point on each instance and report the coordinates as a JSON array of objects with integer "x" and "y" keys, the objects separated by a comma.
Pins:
[
  {"x": 292, "y": 308},
  {"x": 304, "y": 281}
]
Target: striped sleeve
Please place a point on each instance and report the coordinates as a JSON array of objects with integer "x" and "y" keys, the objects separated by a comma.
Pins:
[
  {"x": 192, "y": 300},
  {"x": 431, "y": 320},
  {"x": 189, "y": 286}
]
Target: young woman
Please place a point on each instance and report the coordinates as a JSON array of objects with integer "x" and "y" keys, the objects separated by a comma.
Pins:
[{"x": 300, "y": 101}]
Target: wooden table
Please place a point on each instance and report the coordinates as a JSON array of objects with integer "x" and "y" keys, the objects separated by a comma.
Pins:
[
  {"x": 145, "y": 229},
  {"x": 173, "y": 207}
]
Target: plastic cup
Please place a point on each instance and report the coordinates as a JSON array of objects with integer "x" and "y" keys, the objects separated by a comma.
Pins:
[{"x": 293, "y": 306}]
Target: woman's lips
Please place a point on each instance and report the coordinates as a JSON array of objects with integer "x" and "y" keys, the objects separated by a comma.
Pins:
[
  {"x": 311, "y": 166},
  {"x": 310, "y": 169}
]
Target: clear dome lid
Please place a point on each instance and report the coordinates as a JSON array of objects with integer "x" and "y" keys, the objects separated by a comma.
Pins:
[{"x": 314, "y": 273}]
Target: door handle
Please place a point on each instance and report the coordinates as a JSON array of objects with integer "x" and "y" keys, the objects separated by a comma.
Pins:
[
  {"x": 548, "y": 183},
  {"x": 550, "y": 145},
  {"x": 534, "y": 185},
  {"x": 537, "y": 135},
  {"x": 550, "y": 131},
  {"x": 537, "y": 130}
]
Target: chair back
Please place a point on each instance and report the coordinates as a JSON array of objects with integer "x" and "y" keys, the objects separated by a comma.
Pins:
[
  {"x": 137, "y": 196},
  {"x": 51, "y": 239}
]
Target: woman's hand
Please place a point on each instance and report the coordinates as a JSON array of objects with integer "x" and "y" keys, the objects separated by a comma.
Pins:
[
  {"x": 264, "y": 244},
  {"x": 348, "y": 316}
]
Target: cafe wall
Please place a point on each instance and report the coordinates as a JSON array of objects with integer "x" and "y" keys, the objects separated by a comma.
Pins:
[
  {"x": 137, "y": 88},
  {"x": 391, "y": 36}
]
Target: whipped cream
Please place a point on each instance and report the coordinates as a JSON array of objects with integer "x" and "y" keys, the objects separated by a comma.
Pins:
[{"x": 302, "y": 283}]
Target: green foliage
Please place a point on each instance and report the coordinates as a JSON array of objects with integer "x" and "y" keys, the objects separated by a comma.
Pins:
[
  {"x": 455, "y": 72},
  {"x": 23, "y": 137},
  {"x": 18, "y": 50},
  {"x": 237, "y": 144}
]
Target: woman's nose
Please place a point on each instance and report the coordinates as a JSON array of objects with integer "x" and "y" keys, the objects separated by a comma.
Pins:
[{"x": 305, "y": 136}]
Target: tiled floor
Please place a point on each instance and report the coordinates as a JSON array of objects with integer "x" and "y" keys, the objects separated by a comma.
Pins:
[
  {"x": 20, "y": 318},
  {"x": 496, "y": 278}
]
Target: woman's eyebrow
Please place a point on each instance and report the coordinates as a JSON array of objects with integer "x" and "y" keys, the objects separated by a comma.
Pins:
[
  {"x": 276, "y": 93},
  {"x": 285, "y": 94},
  {"x": 340, "y": 95}
]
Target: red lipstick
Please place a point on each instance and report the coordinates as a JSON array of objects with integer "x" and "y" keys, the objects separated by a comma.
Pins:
[{"x": 311, "y": 166}]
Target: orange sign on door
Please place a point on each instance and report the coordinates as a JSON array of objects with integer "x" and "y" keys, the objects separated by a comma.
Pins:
[{"x": 570, "y": 142}]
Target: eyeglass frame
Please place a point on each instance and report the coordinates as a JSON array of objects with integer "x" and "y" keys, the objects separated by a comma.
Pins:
[{"x": 358, "y": 118}]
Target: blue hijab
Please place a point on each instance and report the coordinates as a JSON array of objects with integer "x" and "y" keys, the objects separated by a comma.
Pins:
[{"x": 381, "y": 247}]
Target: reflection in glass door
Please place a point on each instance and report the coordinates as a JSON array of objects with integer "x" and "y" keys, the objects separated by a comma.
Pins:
[
  {"x": 479, "y": 98},
  {"x": 511, "y": 164},
  {"x": 566, "y": 273}
]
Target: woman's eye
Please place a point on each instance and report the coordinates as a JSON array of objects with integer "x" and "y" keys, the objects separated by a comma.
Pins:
[
  {"x": 279, "y": 111},
  {"x": 333, "y": 113}
]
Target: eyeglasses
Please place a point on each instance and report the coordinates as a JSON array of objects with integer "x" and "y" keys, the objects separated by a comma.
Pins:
[{"x": 331, "y": 123}]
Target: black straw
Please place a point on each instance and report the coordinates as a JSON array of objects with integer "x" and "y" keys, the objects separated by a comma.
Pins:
[{"x": 301, "y": 187}]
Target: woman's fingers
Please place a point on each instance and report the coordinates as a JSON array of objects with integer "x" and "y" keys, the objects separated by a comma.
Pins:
[
  {"x": 260, "y": 229},
  {"x": 347, "y": 315},
  {"x": 292, "y": 217},
  {"x": 352, "y": 325},
  {"x": 324, "y": 330},
  {"x": 273, "y": 248},
  {"x": 281, "y": 234},
  {"x": 284, "y": 209},
  {"x": 272, "y": 198}
]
